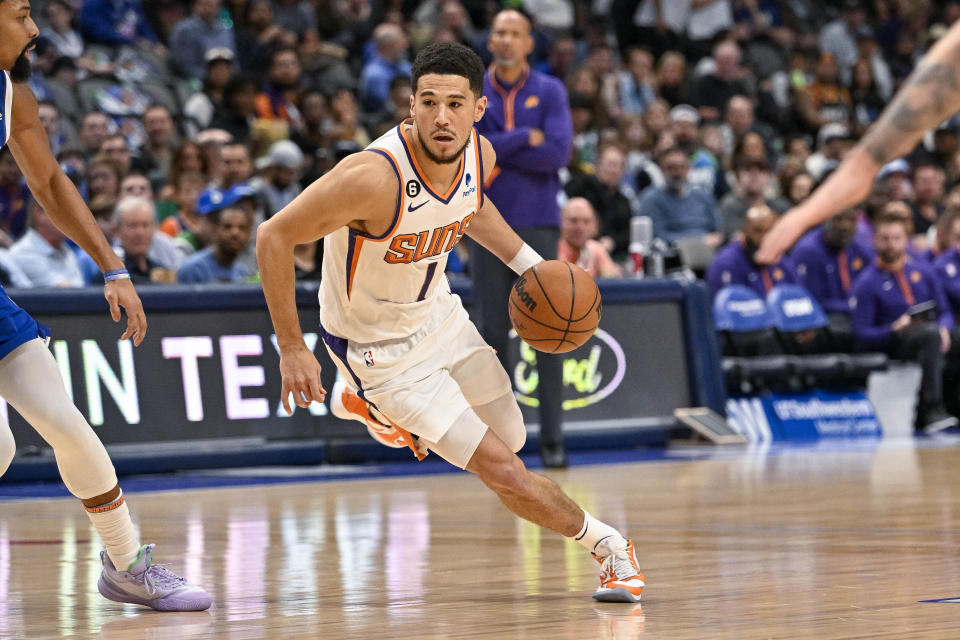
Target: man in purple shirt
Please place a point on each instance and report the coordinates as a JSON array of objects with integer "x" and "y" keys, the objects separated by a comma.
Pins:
[
  {"x": 882, "y": 297},
  {"x": 528, "y": 122},
  {"x": 828, "y": 261},
  {"x": 734, "y": 264}
]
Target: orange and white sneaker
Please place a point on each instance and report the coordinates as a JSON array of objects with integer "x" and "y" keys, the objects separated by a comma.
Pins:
[
  {"x": 620, "y": 577},
  {"x": 347, "y": 405}
]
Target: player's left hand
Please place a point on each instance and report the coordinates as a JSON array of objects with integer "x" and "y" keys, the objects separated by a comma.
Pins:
[{"x": 120, "y": 293}]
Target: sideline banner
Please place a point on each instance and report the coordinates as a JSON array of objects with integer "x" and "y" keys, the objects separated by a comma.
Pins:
[
  {"x": 803, "y": 416},
  {"x": 209, "y": 367}
]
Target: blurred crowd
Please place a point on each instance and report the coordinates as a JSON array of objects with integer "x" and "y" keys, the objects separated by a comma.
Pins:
[{"x": 186, "y": 124}]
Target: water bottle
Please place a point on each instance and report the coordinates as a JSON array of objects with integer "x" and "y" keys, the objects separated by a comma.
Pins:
[{"x": 641, "y": 241}]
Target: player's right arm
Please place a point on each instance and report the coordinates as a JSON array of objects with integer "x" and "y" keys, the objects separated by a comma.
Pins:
[
  {"x": 361, "y": 192},
  {"x": 929, "y": 96}
]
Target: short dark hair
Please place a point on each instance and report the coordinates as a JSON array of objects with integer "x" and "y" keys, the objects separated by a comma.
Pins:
[{"x": 449, "y": 58}]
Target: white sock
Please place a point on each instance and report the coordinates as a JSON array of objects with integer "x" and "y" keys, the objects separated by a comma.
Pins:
[
  {"x": 112, "y": 521},
  {"x": 594, "y": 532}
]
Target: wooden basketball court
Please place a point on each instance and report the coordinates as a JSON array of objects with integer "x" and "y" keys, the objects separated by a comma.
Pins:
[{"x": 799, "y": 543}]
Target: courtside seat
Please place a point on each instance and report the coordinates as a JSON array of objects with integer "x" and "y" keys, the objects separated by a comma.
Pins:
[
  {"x": 859, "y": 366},
  {"x": 753, "y": 355},
  {"x": 803, "y": 329}
]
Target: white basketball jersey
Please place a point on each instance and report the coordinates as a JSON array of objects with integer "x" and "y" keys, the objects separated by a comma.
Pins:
[{"x": 377, "y": 288}]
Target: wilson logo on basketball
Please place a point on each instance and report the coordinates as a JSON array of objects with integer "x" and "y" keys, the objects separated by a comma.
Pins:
[{"x": 522, "y": 294}]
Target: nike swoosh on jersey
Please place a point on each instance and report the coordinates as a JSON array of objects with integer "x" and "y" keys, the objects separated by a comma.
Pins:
[{"x": 412, "y": 208}]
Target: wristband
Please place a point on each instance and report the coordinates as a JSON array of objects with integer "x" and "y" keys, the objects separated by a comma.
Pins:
[
  {"x": 115, "y": 274},
  {"x": 526, "y": 257}
]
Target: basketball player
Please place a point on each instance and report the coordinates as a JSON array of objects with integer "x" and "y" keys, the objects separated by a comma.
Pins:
[
  {"x": 29, "y": 378},
  {"x": 400, "y": 338},
  {"x": 929, "y": 96}
]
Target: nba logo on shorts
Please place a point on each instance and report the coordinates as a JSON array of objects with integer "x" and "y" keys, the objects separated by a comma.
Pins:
[{"x": 368, "y": 357}]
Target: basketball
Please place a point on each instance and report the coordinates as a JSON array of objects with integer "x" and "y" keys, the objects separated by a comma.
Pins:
[{"x": 555, "y": 306}]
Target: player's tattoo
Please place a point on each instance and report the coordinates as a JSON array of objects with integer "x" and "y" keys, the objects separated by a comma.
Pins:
[{"x": 922, "y": 103}]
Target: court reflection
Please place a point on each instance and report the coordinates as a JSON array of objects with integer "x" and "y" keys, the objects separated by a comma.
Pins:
[
  {"x": 618, "y": 622},
  {"x": 153, "y": 625},
  {"x": 244, "y": 563},
  {"x": 406, "y": 552}
]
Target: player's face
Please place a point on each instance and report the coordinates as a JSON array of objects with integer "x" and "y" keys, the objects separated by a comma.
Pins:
[
  {"x": 444, "y": 110},
  {"x": 18, "y": 34}
]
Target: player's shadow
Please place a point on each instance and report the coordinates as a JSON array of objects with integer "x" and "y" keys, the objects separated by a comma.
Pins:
[{"x": 151, "y": 625}]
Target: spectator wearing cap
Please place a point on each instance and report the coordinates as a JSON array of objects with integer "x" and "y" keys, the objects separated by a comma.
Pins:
[
  {"x": 825, "y": 100},
  {"x": 390, "y": 46},
  {"x": 281, "y": 169},
  {"x": 734, "y": 263},
  {"x": 753, "y": 183},
  {"x": 828, "y": 261},
  {"x": 704, "y": 167},
  {"x": 833, "y": 140},
  {"x": 927, "y": 201},
  {"x": 895, "y": 176},
  {"x": 711, "y": 91},
  {"x": 200, "y": 107},
  {"x": 578, "y": 228},
  {"x": 199, "y": 223},
  {"x": 680, "y": 209},
  {"x": 839, "y": 37},
  {"x": 278, "y": 100},
  {"x": 44, "y": 254},
  {"x": 115, "y": 22},
  {"x": 193, "y": 36},
  {"x": 14, "y": 197},
  {"x": 219, "y": 261}
]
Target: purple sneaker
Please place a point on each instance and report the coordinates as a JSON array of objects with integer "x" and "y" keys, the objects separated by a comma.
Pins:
[{"x": 151, "y": 585}]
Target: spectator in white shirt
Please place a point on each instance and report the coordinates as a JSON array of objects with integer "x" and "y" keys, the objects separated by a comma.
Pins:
[{"x": 43, "y": 254}]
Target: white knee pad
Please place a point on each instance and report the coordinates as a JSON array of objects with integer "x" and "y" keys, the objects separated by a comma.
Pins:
[
  {"x": 7, "y": 447},
  {"x": 504, "y": 418},
  {"x": 30, "y": 382}
]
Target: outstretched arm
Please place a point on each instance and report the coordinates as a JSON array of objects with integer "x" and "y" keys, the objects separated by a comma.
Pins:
[
  {"x": 360, "y": 191},
  {"x": 929, "y": 96},
  {"x": 59, "y": 198}
]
